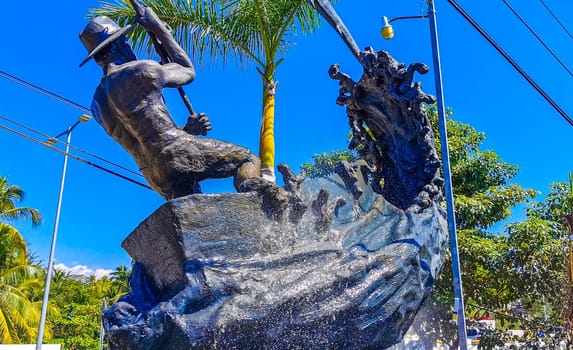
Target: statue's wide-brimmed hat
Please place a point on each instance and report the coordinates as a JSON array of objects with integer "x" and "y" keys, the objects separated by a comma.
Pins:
[{"x": 99, "y": 33}]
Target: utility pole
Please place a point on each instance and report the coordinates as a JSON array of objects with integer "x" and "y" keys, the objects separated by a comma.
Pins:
[
  {"x": 459, "y": 308},
  {"x": 51, "y": 141}
]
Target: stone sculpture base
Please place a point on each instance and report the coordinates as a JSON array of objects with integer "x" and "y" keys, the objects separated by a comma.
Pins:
[{"x": 215, "y": 272}]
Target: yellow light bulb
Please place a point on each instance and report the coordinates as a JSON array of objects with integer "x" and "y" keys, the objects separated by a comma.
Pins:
[{"x": 387, "y": 30}]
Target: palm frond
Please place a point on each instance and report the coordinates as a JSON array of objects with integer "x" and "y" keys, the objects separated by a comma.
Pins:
[
  {"x": 5, "y": 337},
  {"x": 21, "y": 316},
  {"x": 211, "y": 30},
  {"x": 12, "y": 247},
  {"x": 200, "y": 27},
  {"x": 272, "y": 22},
  {"x": 23, "y": 214},
  {"x": 10, "y": 196},
  {"x": 19, "y": 275},
  {"x": 290, "y": 16}
]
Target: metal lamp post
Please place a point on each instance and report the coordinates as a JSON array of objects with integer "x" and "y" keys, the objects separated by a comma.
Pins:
[
  {"x": 51, "y": 141},
  {"x": 388, "y": 32}
]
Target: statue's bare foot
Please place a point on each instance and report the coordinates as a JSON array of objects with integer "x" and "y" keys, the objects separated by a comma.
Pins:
[{"x": 275, "y": 199}]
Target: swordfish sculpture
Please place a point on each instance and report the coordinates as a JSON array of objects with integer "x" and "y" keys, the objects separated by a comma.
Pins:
[{"x": 342, "y": 262}]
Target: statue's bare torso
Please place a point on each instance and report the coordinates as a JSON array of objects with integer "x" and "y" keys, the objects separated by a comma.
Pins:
[{"x": 128, "y": 104}]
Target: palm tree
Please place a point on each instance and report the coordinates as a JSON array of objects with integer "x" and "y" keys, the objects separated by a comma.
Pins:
[
  {"x": 10, "y": 196},
  {"x": 19, "y": 315},
  {"x": 249, "y": 30},
  {"x": 120, "y": 283},
  {"x": 121, "y": 274}
]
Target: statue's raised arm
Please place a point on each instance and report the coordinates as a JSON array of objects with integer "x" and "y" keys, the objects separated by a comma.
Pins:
[{"x": 177, "y": 67}]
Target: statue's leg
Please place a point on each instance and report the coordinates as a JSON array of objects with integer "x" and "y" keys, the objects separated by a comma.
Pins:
[{"x": 248, "y": 170}]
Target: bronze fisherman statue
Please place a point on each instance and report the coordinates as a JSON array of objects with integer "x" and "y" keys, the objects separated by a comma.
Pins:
[{"x": 129, "y": 105}]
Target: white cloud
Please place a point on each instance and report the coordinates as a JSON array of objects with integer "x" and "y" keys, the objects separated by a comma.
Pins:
[{"x": 83, "y": 270}]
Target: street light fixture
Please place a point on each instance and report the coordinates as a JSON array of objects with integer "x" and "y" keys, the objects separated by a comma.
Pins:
[
  {"x": 51, "y": 141},
  {"x": 388, "y": 33},
  {"x": 387, "y": 30}
]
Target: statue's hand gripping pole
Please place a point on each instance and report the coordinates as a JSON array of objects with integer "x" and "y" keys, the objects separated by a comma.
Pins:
[
  {"x": 325, "y": 9},
  {"x": 197, "y": 124}
]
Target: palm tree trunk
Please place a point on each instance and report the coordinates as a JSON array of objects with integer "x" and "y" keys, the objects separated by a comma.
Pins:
[{"x": 267, "y": 135}]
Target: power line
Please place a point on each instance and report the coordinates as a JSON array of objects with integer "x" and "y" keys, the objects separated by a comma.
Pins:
[
  {"x": 556, "y": 18},
  {"x": 25, "y": 127},
  {"x": 27, "y": 137},
  {"x": 538, "y": 37},
  {"x": 45, "y": 92},
  {"x": 513, "y": 63},
  {"x": 63, "y": 100}
]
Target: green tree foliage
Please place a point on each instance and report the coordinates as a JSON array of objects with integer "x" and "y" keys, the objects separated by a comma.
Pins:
[
  {"x": 483, "y": 196},
  {"x": 483, "y": 192},
  {"x": 535, "y": 271},
  {"x": 555, "y": 213},
  {"x": 74, "y": 313},
  {"x": 19, "y": 315},
  {"x": 557, "y": 206},
  {"x": 526, "y": 262},
  {"x": 119, "y": 282},
  {"x": 536, "y": 262},
  {"x": 19, "y": 312},
  {"x": 323, "y": 164},
  {"x": 80, "y": 301},
  {"x": 494, "y": 265}
]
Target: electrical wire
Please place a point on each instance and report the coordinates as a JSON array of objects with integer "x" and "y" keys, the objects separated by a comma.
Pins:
[
  {"x": 538, "y": 37},
  {"x": 512, "y": 62},
  {"x": 556, "y": 18},
  {"x": 65, "y": 101},
  {"x": 45, "y": 92},
  {"x": 72, "y": 104},
  {"x": 27, "y": 137},
  {"x": 46, "y": 136}
]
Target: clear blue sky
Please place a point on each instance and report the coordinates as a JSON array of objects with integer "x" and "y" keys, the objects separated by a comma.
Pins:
[{"x": 40, "y": 44}]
